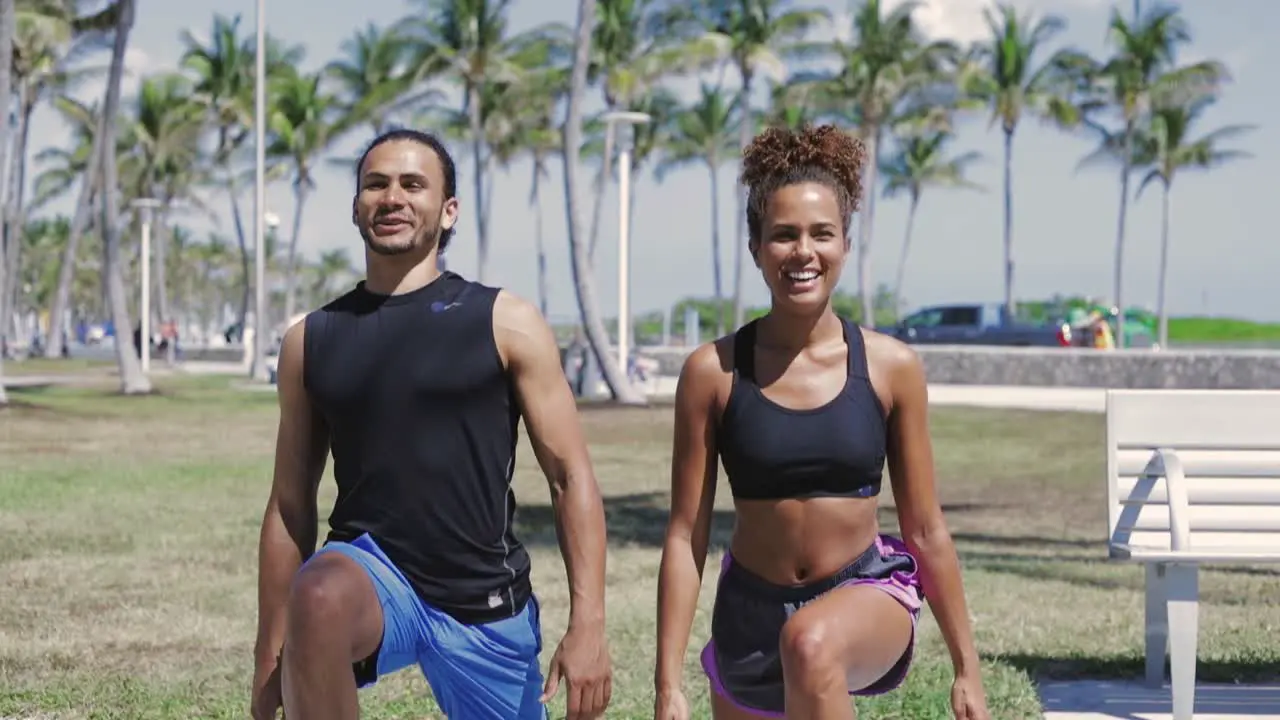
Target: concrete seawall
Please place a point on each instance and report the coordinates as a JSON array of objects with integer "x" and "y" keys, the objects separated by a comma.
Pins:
[{"x": 1078, "y": 367}]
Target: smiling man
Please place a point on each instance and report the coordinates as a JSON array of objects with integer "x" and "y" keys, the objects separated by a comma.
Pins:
[{"x": 416, "y": 382}]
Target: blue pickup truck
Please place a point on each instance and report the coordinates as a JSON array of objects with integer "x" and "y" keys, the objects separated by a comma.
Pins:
[{"x": 974, "y": 324}]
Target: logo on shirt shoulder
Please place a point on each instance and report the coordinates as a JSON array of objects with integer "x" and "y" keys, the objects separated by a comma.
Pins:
[{"x": 441, "y": 306}]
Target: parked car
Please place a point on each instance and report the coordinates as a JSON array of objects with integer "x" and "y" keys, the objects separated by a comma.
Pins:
[{"x": 975, "y": 324}]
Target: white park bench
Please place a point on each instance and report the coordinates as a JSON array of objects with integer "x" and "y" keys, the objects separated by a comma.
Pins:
[{"x": 1193, "y": 477}]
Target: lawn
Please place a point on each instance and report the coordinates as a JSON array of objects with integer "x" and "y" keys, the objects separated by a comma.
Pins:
[
  {"x": 128, "y": 532},
  {"x": 1223, "y": 331}
]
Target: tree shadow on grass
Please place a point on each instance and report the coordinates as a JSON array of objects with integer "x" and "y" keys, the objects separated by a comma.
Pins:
[
  {"x": 1091, "y": 571},
  {"x": 631, "y": 519},
  {"x": 641, "y": 519},
  {"x": 1026, "y": 540},
  {"x": 1128, "y": 666}
]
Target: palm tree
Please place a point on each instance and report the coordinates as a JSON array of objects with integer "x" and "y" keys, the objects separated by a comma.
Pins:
[
  {"x": 921, "y": 162},
  {"x": 1139, "y": 76},
  {"x": 467, "y": 41},
  {"x": 704, "y": 133},
  {"x": 760, "y": 33},
  {"x": 1167, "y": 150},
  {"x": 55, "y": 33},
  {"x": 132, "y": 379},
  {"x": 1002, "y": 73},
  {"x": 224, "y": 84},
  {"x": 303, "y": 124},
  {"x": 49, "y": 37},
  {"x": 635, "y": 46},
  {"x": 162, "y": 136},
  {"x": 597, "y": 336},
  {"x": 7, "y": 12},
  {"x": 887, "y": 73},
  {"x": 373, "y": 75},
  {"x": 540, "y": 136}
]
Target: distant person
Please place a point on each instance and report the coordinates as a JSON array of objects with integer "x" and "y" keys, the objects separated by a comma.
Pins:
[
  {"x": 813, "y": 603},
  {"x": 416, "y": 381}
]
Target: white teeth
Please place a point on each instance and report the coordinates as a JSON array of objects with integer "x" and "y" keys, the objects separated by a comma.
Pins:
[{"x": 803, "y": 276}]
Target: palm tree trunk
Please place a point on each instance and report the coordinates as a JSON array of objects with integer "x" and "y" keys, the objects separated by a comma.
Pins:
[
  {"x": 291, "y": 272},
  {"x": 1126, "y": 165},
  {"x": 89, "y": 191},
  {"x": 477, "y": 151},
  {"x": 132, "y": 379},
  {"x": 602, "y": 180},
  {"x": 1163, "y": 286},
  {"x": 245, "y": 277},
  {"x": 163, "y": 238},
  {"x": 906, "y": 245},
  {"x": 539, "y": 244},
  {"x": 15, "y": 218},
  {"x": 865, "y": 225},
  {"x": 1009, "y": 310},
  {"x": 740, "y": 231},
  {"x": 597, "y": 335},
  {"x": 8, "y": 14},
  {"x": 717, "y": 279}
]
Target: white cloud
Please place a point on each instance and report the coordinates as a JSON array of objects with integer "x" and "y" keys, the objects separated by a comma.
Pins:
[
  {"x": 963, "y": 19},
  {"x": 137, "y": 64}
]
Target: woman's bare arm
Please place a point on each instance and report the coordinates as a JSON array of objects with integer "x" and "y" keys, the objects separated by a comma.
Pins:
[
  {"x": 693, "y": 488},
  {"x": 924, "y": 530}
]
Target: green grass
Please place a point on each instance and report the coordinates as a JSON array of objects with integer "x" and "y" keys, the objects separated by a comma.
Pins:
[
  {"x": 128, "y": 533},
  {"x": 1211, "y": 331}
]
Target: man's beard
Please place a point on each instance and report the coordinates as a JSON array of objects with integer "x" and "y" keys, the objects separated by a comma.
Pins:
[{"x": 425, "y": 238}]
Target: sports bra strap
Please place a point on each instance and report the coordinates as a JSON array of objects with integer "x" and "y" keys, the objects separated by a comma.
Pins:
[
  {"x": 857, "y": 350},
  {"x": 744, "y": 351}
]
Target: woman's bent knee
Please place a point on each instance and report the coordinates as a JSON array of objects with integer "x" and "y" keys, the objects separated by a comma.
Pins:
[{"x": 808, "y": 654}]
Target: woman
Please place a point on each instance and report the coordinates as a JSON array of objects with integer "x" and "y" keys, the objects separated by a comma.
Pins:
[{"x": 803, "y": 409}]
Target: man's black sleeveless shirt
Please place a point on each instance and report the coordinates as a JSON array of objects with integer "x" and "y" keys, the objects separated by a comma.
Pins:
[{"x": 422, "y": 422}]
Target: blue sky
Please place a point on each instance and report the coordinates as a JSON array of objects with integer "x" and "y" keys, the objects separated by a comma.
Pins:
[{"x": 1224, "y": 255}]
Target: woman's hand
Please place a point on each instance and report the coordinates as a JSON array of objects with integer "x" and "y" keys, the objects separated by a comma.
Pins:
[{"x": 968, "y": 700}]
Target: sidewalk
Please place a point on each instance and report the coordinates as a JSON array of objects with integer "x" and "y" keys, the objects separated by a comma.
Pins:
[
  {"x": 1025, "y": 397},
  {"x": 1022, "y": 397},
  {"x": 1113, "y": 700}
]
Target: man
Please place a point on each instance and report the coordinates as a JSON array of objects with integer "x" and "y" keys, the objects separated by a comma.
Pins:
[{"x": 416, "y": 382}]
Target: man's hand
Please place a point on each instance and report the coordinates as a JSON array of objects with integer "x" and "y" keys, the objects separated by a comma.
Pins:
[
  {"x": 582, "y": 661},
  {"x": 266, "y": 698},
  {"x": 968, "y": 701}
]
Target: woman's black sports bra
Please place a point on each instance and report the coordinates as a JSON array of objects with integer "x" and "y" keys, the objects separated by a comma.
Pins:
[{"x": 771, "y": 452}]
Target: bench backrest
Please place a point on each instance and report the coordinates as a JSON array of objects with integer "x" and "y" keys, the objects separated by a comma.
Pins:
[{"x": 1229, "y": 445}]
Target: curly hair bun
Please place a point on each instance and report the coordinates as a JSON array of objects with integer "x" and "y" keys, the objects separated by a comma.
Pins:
[{"x": 778, "y": 153}]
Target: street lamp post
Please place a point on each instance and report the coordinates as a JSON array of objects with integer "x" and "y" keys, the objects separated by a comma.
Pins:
[
  {"x": 258, "y": 367},
  {"x": 146, "y": 208},
  {"x": 626, "y": 121}
]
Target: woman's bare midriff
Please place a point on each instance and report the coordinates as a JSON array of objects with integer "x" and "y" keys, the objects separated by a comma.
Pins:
[{"x": 793, "y": 542}]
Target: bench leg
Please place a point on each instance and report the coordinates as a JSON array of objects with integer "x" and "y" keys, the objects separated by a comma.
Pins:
[
  {"x": 1183, "y": 586},
  {"x": 1157, "y": 625}
]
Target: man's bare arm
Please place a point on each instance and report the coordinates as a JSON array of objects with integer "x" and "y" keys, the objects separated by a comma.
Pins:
[
  {"x": 550, "y": 412},
  {"x": 289, "y": 523}
]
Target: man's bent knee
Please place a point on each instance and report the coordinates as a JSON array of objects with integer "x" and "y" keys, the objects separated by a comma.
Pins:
[{"x": 332, "y": 599}]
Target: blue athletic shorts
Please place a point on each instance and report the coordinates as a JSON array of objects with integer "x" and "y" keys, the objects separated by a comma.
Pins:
[{"x": 475, "y": 671}]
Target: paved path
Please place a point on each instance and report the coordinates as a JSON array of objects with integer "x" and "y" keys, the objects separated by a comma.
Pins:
[
  {"x": 1109, "y": 700},
  {"x": 996, "y": 396},
  {"x": 1020, "y": 396}
]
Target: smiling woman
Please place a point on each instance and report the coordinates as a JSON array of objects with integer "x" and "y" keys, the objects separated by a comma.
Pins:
[{"x": 803, "y": 409}]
